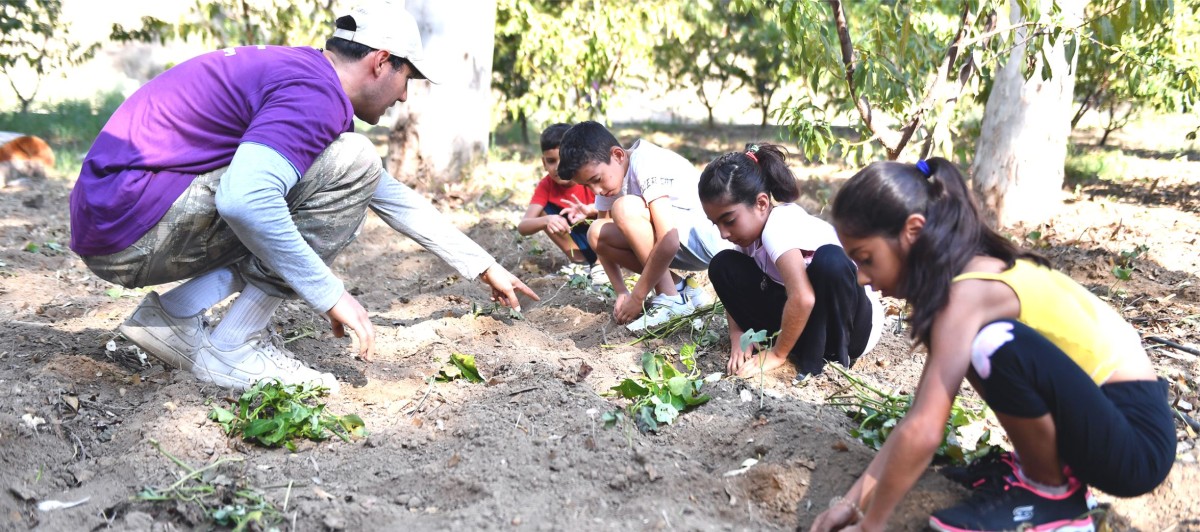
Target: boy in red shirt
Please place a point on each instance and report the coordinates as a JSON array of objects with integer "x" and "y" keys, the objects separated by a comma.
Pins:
[{"x": 553, "y": 200}]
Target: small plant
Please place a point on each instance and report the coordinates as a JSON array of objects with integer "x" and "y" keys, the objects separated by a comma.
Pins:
[
  {"x": 460, "y": 367},
  {"x": 227, "y": 502},
  {"x": 1037, "y": 240},
  {"x": 478, "y": 311},
  {"x": 752, "y": 339},
  {"x": 660, "y": 393},
  {"x": 878, "y": 412},
  {"x": 271, "y": 413},
  {"x": 1124, "y": 265}
]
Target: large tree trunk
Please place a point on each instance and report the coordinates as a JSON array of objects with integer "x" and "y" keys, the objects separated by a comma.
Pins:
[
  {"x": 1022, "y": 147},
  {"x": 442, "y": 130}
]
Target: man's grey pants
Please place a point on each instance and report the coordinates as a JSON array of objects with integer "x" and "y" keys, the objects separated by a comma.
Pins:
[{"x": 328, "y": 205}]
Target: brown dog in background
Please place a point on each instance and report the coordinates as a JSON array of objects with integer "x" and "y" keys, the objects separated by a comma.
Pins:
[{"x": 23, "y": 156}]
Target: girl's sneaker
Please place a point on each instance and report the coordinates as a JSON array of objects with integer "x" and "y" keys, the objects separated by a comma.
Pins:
[
  {"x": 597, "y": 275},
  {"x": 694, "y": 293},
  {"x": 1014, "y": 505},
  {"x": 993, "y": 466}
]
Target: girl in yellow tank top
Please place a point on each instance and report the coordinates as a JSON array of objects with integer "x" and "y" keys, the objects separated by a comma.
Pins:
[{"x": 1066, "y": 376}]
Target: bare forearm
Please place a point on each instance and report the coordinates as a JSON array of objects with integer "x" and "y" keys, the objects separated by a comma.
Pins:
[
  {"x": 795, "y": 317},
  {"x": 529, "y": 226}
]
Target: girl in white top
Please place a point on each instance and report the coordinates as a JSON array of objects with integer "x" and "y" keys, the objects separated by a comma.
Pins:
[{"x": 788, "y": 273}]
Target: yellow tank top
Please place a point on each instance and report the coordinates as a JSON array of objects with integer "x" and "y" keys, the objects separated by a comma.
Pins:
[{"x": 1089, "y": 331}]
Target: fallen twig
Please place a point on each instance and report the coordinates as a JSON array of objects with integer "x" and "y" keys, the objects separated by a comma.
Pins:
[{"x": 1174, "y": 345}]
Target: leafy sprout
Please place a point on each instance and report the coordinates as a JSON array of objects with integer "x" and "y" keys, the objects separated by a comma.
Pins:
[
  {"x": 460, "y": 367},
  {"x": 272, "y": 414},
  {"x": 661, "y": 393}
]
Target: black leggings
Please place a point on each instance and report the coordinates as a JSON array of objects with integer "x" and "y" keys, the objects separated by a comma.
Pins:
[
  {"x": 840, "y": 323},
  {"x": 1118, "y": 437}
]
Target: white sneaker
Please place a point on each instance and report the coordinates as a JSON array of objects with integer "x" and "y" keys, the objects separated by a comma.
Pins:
[
  {"x": 597, "y": 274},
  {"x": 661, "y": 309},
  {"x": 172, "y": 340},
  {"x": 262, "y": 357},
  {"x": 694, "y": 293}
]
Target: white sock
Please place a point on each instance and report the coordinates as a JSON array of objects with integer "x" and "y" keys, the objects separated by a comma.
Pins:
[
  {"x": 682, "y": 283},
  {"x": 200, "y": 293},
  {"x": 249, "y": 313},
  {"x": 1044, "y": 488}
]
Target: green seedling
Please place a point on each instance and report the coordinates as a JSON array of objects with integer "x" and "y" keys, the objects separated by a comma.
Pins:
[
  {"x": 226, "y": 502},
  {"x": 660, "y": 393},
  {"x": 1125, "y": 264},
  {"x": 271, "y": 413},
  {"x": 1036, "y": 240},
  {"x": 752, "y": 339},
  {"x": 460, "y": 367},
  {"x": 478, "y": 311},
  {"x": 877, "y": 413}
]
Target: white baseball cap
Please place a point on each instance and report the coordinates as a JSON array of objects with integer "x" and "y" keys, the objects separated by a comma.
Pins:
[{"x": 386, "y": 25}]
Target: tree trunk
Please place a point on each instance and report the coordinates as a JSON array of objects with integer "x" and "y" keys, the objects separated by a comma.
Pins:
[
  {"x": 443, "y": 129},
  {"x": 1022, "y": 148}
]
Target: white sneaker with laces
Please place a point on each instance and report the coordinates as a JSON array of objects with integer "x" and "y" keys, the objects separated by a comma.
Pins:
[
  {"x": 694, "y": 293},
  {"x": 262, "y": 357},
  {"x": 172, "y": 340},
  {"x": 597, "y": 274},
  {"x": 660, "y": 310}
]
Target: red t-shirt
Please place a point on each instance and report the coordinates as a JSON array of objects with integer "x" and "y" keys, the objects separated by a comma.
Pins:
[{"x": 550, "y": 192}]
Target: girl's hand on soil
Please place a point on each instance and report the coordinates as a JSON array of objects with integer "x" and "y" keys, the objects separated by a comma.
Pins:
[
  {"x": 837, "y": 517},
  {"x": 347, "y": 312},
  {"x": 505, "y": 286},
  {"x": 627, "y": 308},
  {"x": 556, "y": 224},
  {"x": 751, "y": 364}
]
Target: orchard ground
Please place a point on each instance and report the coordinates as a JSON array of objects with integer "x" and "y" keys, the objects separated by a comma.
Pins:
[{"x": 527, "y": 450}]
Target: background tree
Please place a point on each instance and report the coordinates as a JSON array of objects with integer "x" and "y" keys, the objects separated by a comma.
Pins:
[
  {"x": 35, "y": 39},
  {"x": 564, "y": 60},
  {"x": 225, "y": 23},
  {"x": 699, "y": 55},
  {"x": 897, "y": 71},
  {"x": 1157, "y": 67},
  {"x": 765, "y": 57}
]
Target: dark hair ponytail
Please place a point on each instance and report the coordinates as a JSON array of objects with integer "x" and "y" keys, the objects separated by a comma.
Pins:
[
  {"x": 740, "y": 176},
  {"x": 878, "y": 200}
]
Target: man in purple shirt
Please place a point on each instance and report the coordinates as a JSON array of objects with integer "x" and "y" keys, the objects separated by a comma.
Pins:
[{"x": 239, "y": 172}]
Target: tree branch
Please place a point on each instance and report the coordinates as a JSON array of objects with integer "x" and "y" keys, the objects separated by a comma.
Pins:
[{"x": 864, "y": 107}]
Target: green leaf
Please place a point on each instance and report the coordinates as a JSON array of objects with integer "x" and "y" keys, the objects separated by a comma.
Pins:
[
  {"x": 665, "y": 413},
  {"x": 466, "y": 365},
  {"x": 679, "y": 385},
  {"x": 687, "y": 355},
  {"x": 630, "y": 389},
  {"x": 650, "y": 365},
  {"x": 645, "y": 419},
  {"x": 752, "y": 337},
  {"x": 32, "y": 247}
]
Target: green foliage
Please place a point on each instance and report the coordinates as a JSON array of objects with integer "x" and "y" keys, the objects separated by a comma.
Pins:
[
  {"x": 562, "y": 61},
  {"x": 271, "y": 413},
  {"x": 1124, "y": 265},
  {"x": 34, "y": 37},
  {"x": 700, "y": 55},
  {"x": 878, "y": 412},
  {"x": 661, "y": 393},
  {"x": 225, "y": 23},
  {"x": 1089, "y": 165},
  {"x": 460, "y": 367},
  {"x": 228, "y": 502},
  {"x": 698, "y": 322},
  {"x": 1137, "y": 54}
]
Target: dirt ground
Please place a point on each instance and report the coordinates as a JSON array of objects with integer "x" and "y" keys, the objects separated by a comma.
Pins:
[{"x": 527, "y": 450}]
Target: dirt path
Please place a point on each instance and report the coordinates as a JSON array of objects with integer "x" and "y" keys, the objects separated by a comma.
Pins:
[{"x": 525, "y": 451}]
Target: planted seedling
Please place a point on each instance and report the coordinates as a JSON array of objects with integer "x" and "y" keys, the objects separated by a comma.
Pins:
[
  {"x": 699, "y": 321},
  {"x": 1125, "y": 264},
  {"x": 478, "y": 311},
  {"x": 755, "y": 340},
  {"x": 660, "y": 393},
  {"x": 877, "y": 413},
  {"x": 271, "y": 413},
  {"x": 227, "y": 502},
  {"x": 460, "y": 367}
]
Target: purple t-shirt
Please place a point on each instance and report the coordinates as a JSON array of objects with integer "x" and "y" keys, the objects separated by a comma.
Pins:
[{"x": 188, "y": 121}]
